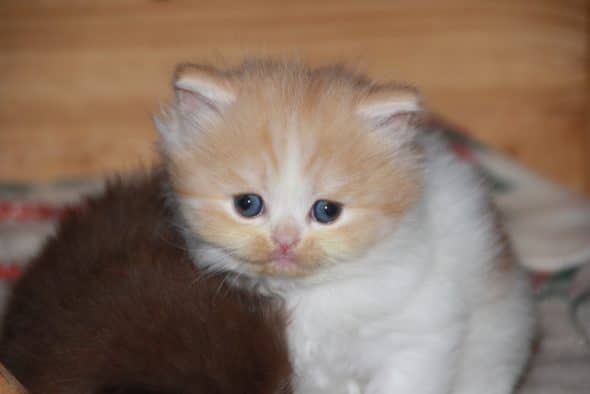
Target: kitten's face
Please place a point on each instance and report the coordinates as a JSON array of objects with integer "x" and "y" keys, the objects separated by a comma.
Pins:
[{"x": 288, "y": 177}]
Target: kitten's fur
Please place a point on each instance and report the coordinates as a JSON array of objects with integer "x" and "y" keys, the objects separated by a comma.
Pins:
[
  {"x": 411, "y": 290},
  {"x": 113, "y": 305}
]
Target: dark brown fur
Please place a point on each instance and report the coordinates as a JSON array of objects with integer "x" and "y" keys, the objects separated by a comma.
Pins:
[{"x": 113, "y": 305}]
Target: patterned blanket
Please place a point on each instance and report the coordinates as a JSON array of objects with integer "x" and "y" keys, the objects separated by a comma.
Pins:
[{"x": 548, "y": 226}]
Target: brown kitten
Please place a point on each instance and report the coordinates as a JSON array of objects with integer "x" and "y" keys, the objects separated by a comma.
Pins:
[{"x": 114, "y": 305}]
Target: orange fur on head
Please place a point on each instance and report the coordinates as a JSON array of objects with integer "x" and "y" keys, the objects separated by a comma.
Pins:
[{"x": 292, "y": 135}]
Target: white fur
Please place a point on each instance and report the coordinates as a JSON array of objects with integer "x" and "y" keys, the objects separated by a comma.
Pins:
[{"x": 424, "y": 311}]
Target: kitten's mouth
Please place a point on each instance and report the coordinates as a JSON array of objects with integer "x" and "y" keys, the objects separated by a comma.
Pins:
[
  {"x": 281, "y": 264},
  {"x": 277, "y": 265},
  {"x": 284, "y": 261}
]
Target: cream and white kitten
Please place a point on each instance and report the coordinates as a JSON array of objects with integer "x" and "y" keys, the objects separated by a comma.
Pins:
[{"x": 314, "y": 184}]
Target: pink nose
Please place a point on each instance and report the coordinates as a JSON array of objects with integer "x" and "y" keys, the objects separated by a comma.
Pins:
[
  {"x": 285, "y": 247},
  {"x": 285, "y": 244}
]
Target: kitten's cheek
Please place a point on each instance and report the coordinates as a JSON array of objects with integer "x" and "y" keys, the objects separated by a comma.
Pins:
[
  {"x": 258, "y": 250},
  {"x": 251, "y": 247},
  {"x": 309, "y": 255},
  {"x": 342, "y": 250},
  {"x": 348, "y": 242}
]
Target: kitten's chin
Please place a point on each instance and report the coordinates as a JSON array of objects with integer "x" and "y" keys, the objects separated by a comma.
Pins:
[{"x": 214, "y": 259}]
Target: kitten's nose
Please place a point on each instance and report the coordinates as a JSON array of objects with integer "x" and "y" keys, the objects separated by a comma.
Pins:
[{"x": 286, "y": 236}]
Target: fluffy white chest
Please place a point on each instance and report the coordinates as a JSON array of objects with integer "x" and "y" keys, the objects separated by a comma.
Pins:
[
  {"x": 329, "y": 347},
  {"x": 340, "y": 336}
]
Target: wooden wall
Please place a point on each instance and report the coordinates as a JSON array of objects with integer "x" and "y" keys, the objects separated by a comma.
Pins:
[{"x": 79, "y": 79}]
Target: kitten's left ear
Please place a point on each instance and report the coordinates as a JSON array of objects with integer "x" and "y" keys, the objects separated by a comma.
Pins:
[
  {"x": 200, "y": 87},
  {"x": 392, "y": 108}
]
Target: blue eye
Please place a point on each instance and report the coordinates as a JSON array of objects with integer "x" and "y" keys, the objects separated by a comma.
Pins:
[
  {"x": 248, "y": 205},
  {"x": 325, "y": 211}
]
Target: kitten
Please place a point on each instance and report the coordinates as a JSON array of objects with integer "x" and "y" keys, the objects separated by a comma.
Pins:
[
  {"x": 316, "y": 185},
  {"x": 113, "y": 305}
]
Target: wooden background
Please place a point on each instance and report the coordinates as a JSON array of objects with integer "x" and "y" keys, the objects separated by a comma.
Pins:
[{"x": 79, "y": 79}]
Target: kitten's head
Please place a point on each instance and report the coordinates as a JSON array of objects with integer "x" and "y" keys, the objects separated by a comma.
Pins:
[{"x": 282, "y": 170}]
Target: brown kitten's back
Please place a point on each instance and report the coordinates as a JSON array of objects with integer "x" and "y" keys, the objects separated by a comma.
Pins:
[{"x": 113, "y": 305}]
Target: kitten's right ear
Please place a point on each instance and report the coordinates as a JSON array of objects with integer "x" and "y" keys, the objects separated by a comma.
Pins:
[{"x": 200, "y": 87}]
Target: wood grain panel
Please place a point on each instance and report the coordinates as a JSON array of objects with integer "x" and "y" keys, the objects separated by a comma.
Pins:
[{"x": 79, "y": 79}]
